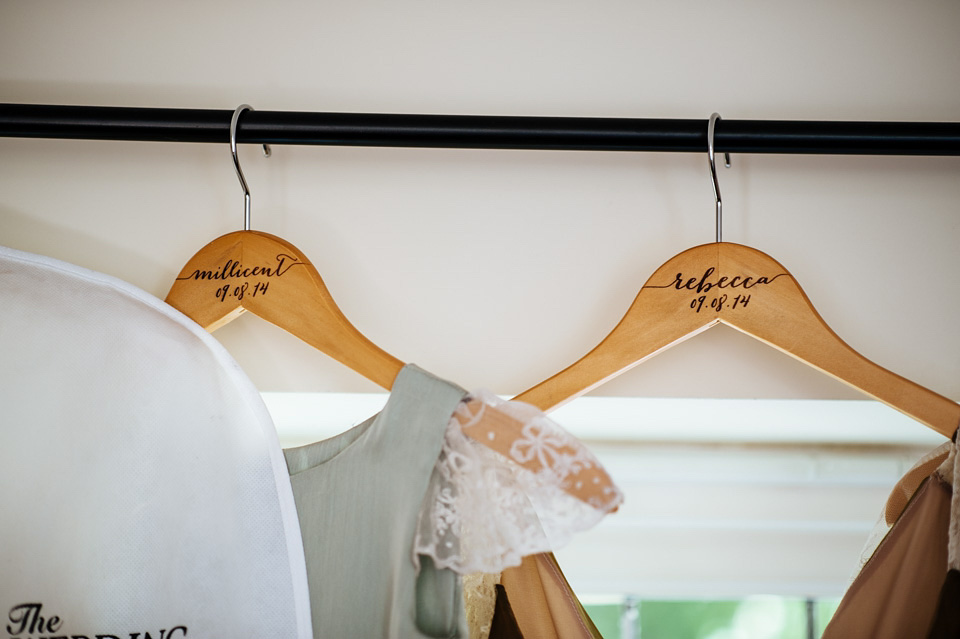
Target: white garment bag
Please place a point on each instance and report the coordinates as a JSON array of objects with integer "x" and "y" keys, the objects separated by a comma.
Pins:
[{"x": 142, "y": 485}]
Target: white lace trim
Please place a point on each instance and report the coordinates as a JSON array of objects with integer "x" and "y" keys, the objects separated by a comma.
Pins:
[
  {"x": 950, "y": 472},
  {"x": 483, "y": 512}
]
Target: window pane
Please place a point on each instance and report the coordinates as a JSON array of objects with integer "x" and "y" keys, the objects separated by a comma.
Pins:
[
  {"x": 759, "y": 617},
  {"x": 825, "y": 610},
  {"x": 606, "y": 617}
]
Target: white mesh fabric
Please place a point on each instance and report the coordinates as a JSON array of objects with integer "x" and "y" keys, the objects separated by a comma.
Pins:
[{"x": 484, "y": 513}]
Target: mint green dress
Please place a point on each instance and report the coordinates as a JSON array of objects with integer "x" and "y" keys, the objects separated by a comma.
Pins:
[{"x": 358, "y": 497}]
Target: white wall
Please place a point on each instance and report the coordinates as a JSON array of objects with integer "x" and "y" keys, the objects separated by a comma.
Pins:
[
  {"x": 555, "y": 243},
  {"x": 498, "y": 268}
]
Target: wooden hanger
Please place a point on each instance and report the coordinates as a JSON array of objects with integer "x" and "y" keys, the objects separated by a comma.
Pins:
[
  {"x": 269, "y": 277},
  {"x": 732, "y": 284},
  {"x": 724, "y": 283}
]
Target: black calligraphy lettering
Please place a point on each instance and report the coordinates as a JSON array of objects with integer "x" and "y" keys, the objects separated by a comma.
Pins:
[
  {"x": 705, "y": 283},
  {"x": 27, "y": 621},
  {"x": 200, "y": 275},
  {"x": 54, "y": 624},
  {"x": 703, "y": 286},
  {"x": 232, "y": 269},
  {"x": 28, "y": 615},
  {"x": 764, "y": 280},
  {"x": 282, "y": 258}
]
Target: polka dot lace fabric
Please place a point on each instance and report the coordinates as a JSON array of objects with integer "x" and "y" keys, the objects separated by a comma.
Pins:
[{"x": 483, "y": 511}]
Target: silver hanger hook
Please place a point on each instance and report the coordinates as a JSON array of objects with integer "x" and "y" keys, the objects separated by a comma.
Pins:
[
  {"x": 711, "y": 130},
  {"x": 236, "y": 161}
]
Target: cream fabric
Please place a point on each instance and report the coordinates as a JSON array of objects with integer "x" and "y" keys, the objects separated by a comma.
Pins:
[
  {"x": 543, "y": 602},
  {"x": 896, "y": 593},
  {"x": 905, "y": 564},
  {"x": 143, "y": 485}
]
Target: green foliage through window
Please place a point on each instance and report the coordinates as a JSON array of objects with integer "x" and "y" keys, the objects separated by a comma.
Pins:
[{"x": 761, "y": 617}]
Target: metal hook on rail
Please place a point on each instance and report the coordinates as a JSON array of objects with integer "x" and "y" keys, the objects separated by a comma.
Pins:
[
  {"x": 711, "y": 130},
  {"x": 236, "y": 161}
]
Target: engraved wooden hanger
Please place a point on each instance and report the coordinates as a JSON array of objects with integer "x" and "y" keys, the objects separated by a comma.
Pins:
[
  {"x": 269, "y": 277},
  {"x": 732, "y": 284}
]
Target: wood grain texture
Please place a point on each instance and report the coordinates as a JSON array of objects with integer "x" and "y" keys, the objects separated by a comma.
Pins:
[
  {"x": 269, "y": 277},
  {"x": 750, "y": 291}
]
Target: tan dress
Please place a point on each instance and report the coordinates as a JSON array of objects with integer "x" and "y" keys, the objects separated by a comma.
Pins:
[
  {"x": 908, "y": 588},
  {"x": 543, "y": 603}
]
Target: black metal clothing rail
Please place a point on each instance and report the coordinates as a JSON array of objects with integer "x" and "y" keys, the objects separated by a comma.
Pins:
[{"x": 479, "y": 132}]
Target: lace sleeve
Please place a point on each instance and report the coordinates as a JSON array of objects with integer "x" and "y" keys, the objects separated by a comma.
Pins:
[{"x": 484, "y": 510}]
